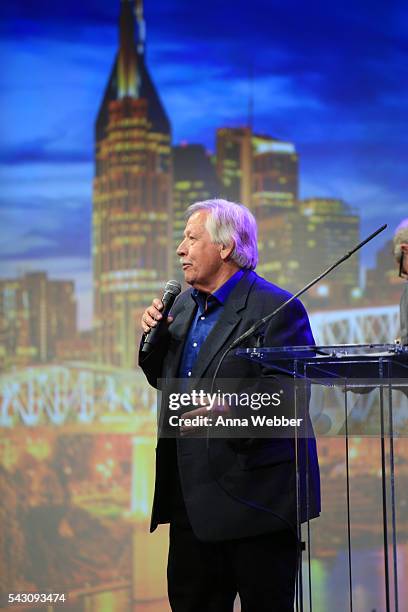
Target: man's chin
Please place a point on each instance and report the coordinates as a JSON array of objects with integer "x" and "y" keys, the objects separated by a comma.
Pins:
[{"x": 188, "y": 277}]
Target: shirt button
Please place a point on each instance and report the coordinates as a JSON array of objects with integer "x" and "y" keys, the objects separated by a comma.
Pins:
[
  {"x": 188, "y": 373},
  {"x": 194, "y": 343},
  {"x": 202, "y": 318}
]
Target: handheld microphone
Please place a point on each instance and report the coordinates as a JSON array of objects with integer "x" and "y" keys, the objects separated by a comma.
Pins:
[{"x": 171, "y": 291}]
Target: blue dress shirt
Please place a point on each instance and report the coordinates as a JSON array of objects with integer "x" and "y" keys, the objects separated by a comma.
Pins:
[{"x": 209, "y": 309}]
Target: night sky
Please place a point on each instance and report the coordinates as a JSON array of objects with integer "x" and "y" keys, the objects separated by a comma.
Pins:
[{"x": 333, "y": 78}]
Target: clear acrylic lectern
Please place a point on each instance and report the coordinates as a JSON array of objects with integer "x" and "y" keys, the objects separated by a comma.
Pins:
[{"x": 354, "y": 391}]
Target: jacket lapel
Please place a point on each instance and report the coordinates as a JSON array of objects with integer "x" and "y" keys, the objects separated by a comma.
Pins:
[{"x": 222, "y": 330}]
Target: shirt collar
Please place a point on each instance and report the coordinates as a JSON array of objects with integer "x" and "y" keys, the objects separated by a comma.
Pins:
[{"x": 222, "y": 292}]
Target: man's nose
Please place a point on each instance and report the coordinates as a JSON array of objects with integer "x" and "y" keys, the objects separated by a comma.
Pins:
[{"x": 181, "y": 249}]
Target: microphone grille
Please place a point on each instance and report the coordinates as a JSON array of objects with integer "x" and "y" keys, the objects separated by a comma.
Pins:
[{"x": 172, "y": 286}]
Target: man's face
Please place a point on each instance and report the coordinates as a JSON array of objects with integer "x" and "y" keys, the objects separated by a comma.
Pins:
[{"x": 201, "y": 259}]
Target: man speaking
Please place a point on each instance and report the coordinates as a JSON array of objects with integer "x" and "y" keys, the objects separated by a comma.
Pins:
[{"x": 232, "y": 507}]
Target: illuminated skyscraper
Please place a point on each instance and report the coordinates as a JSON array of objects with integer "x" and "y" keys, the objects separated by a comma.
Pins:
[
  {"x": 16, "y": 346},
  {"x": 331, "y": 228},
  {"x": 35, "y": 314},
  {"x": 274, "y": 204},
  {"x": 280, "y": 245},
  {"x": 194, "y": 180},
  {"x": 234, "y": 163},
  {"x": 132, "y": 196},
  {"x": 275, "y": 175}
]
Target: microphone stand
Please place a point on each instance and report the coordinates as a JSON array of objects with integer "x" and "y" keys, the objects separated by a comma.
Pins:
[
  {"x": 234, "y": 344},
  {"x": 265, "y": 320}
]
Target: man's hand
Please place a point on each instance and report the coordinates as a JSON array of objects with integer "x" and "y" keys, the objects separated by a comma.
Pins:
[
  {"x": 152, "y": 316},
  {"x": 205, "y": 411}
]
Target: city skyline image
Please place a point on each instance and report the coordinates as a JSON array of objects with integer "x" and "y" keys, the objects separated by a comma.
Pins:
[
  {"x": 116, "y": 115},
  {"x": 50, "y": 161}
]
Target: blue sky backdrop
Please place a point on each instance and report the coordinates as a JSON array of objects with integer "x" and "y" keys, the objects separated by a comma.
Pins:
[{"x": 331, "y": 77}]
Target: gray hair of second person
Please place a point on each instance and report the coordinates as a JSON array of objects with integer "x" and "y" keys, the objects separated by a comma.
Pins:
[
  {"x": 228, "y": 222},
  {"x": 400, "y": 237}
]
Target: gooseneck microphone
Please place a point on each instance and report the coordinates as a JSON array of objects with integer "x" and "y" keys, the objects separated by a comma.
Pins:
[
  {"x": 270, "y": 316},
  {"x": 171, "y": 291}
]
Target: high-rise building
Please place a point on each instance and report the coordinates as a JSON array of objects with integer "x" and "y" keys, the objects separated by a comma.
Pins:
[
  {"x": 275, "y": 175},
  {"x": 234, "y": 163},
  {"x": 279, "y": 245},
  {"x": 274, "y": 204},
  {"x": 15, "y": 342},
  {"x": 194, "y": 180},
  {"x": 35, "y": 314},
  {"x": 331, "y": 228},
  {"x": 132, "y": 197}
]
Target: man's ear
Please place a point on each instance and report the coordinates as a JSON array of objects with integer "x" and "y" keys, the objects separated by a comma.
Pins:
[
  {"x": 225, "y": 251},
  {"x": 404, "y": 247}
]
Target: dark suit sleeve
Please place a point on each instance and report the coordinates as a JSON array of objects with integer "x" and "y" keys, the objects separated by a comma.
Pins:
[{"x": 152, "y": 362}]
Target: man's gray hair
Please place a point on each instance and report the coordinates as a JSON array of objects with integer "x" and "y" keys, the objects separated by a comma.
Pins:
[
  {"x": 400, "y": 237},
  {"x": 228, "y": 222}
]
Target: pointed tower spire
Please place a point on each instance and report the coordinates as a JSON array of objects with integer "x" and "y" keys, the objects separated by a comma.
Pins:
[
  {"x": 127, "y": 75},
  {"x": 251, "y": 96},
  {"x": 141, "y": 27},
  {"x": 132, "y": 196}
]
